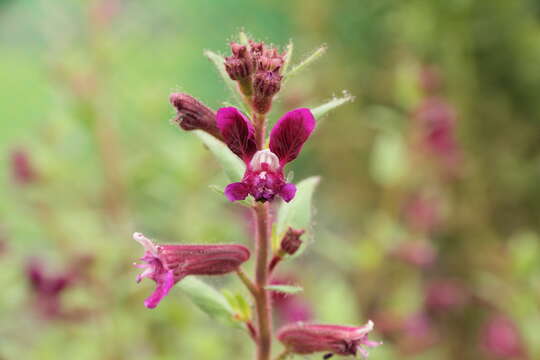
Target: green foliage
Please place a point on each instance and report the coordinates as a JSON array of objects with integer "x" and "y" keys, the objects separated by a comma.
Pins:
[
  {"x": 234, "y": 167},
  {"x": 298, "y": 213},
  {"x": 286, "y": 289},
  {"x": 208, "y": 299}
]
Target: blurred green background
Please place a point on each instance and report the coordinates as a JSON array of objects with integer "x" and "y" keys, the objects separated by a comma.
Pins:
[{"x": 84, "y": 89}]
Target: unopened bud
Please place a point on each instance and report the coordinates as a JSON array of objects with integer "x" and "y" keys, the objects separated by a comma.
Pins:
[
  {"x": 291, "y": 241},
  {"x": 239, "y": 65},
  {"x": 194, "y": 115},
  {"x": 266, "y": 84}
]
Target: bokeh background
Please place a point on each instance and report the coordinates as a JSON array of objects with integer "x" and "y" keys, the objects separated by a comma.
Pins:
[{"x": 427, "y": 215}]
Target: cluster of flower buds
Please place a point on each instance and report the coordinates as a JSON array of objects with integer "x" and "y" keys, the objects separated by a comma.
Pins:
[
  {"x": 168, "y": 264},
  {"x": 191, "y": 114},
  {"x": 257, "y": 69},
  {"x": 302, "y": 338},
  {"x": 289, "y": 245}
]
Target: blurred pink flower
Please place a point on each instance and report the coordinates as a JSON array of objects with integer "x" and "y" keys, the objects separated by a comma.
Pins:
[
  {"x": 443, "y": 295},
  {"x": 22, "y": 171},
  {"x": 500, "y": 338},
  {"x": 435, "y": 121},
  {"x": 415, "y": 253},
  {"x": 290, "y": 307},
  {"x": 422, "y": 213}
]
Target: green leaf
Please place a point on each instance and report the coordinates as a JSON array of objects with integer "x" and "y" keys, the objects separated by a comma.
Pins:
[
  {"x": 298, "y": 212},
  {"x": 321, "y": 110},
  {"x": 243, "y": 38},
  {"x": 219, "y": 62},
  {"x": 239, "y": 304},
  {"x": 231, "y": 164},
  {"x": 208, "y": 299},
  {"x": 288, "y": 289},
  {"x": 288, "y": 56},
  {"x": 388, "y": 161},
  {"x": 307, "y": 61}
]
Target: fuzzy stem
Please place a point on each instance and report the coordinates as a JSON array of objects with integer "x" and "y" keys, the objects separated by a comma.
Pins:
[
  {"x": 284, "y": 355},
  {"x": 262, "y": 301},
  {"x": 260, "y": 130},
  {"x": 247, "y": 281}
]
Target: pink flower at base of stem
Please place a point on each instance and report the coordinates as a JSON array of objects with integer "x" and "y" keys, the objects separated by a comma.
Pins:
[
  {"x": 168, "y": 264},
  {"x": 303, "y": 338}
]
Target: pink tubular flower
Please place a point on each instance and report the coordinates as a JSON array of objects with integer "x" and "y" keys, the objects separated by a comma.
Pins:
[
  {"x": 22, "y": 170},
  {"x": 264, "y": 177},
  {"x": 303, "y": 338},
  {"x": 168, "y": 264}
]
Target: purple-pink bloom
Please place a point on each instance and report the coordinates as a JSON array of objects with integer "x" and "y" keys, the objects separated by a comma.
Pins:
[
  {"x": 168, "y": 264},
  {"x": 22, "y": 170},
  {"x": 301, "y": 338},
  {"x": 264, "y": 178},
  {"x": 500, "y": 338}
]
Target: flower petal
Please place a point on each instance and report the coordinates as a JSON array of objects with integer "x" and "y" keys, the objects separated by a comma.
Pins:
[
  {"x": 162, "y": 289},
  {"x": 287, "y": 192},
  {"x": 238, "y": 132},
  {"x": 236, "y": 191},
  {"x": 290, "y": 133}
]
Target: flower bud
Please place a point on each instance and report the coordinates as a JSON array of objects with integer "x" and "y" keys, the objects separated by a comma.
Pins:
[
  {"x": 501, "y": 339},
  {"x": 265, "y": 85},
  {"x": 291, "y": 241},
  {"x": 239, "y": 66},
  {"x": 194, "y": 115},
  {"x": 168, "y": 264},
  {"x": 300, "y": 338}
]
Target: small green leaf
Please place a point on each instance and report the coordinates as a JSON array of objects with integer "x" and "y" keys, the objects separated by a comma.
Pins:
[
  {"x": 388, "y": 161},
  {"x": 298, "y": 212},
  {"x": 288, "y": 289},
  {"x": 288, "y": 56},
  {"x": 321, "y": 110},
  {"x": 219, "y": 62},
  {"x": 243, "y": 38},
  {"x": 307, "y": 61},
  {"x": 231, "y": 164},
  {"x": 208, "y": 299}
]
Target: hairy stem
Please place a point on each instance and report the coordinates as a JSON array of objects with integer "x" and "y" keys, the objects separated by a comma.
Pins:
[
  {"x": 260, "y": 130},
  {"x": 262, "y": 301},
  {"x": 284, "y": 355}
]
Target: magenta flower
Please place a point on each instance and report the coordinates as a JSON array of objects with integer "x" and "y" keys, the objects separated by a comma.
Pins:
[
  {"x": 264, "y": 177},
  {"x": 301, "y": 338},
  {"x": 501, "y": 338},
  {"x": 168, "y": 264}
]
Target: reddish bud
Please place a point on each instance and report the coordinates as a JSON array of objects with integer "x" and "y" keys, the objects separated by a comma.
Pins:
[
  {"x": 265, "y": 85},
  {"x": 300, "y": 338},
  {"x": 168, "y": 264},
  {"x": 444, "y": 295},
  {"x": 194, "y": 115},
  {"x": 291, "y": 241},
  {"x": 239, "y": 66}
]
